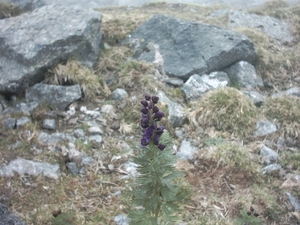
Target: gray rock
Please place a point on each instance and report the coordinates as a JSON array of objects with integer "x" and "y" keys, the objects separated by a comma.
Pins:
[
  {"x": 79, "y": 133},
  {"x": 34, "y": 42},
  {"x": 7, "y": 218},
  {"x": 244, "y": 74},
  {"x": 121, "y": 219},
  {"x": 176, "y": 113},
  {"x": 188, "y": 47},
  {"x": 95, "y": 130},
  {"x": 73, "y": 168},
  {"x": 281, "y": 143},
  {"x": 275, "y": 28},
  {"x": 264, "y": 128},
  {"x": 24, "y": 166},
  {"x": 82, "y": 171},
  {"x": 51, "y": 139},
  {"x": 269, "y": 155},
  {"x": 294, "y": 201},
  {"x": 175, "y": 82},
  {"x": 22, "y": 121},
  {"x": 119, "y": 94},
  {"x": 256, "y": 97},
  {"x": 272, "y": 168},
  {"x": 186, "y": 150},
  {"x": 49, "y": 124},
  {"x": 21, "y": 108},
  {"x": 295, "y": 91},
  {"x": 57, "y": 96},
  {"x": 87, "y": 160},
  {"x": 197, "y": 85},
  {"x": 9, "y": 123},
  {"x": 28, "y": 5},
  {"x": 96, "y": 140}
]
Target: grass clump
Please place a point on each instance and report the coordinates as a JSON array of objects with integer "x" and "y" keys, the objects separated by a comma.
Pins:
[
  {"x": 73, "y": 72},
  {"x": 228, "y": 110},
  {"x": 9, "y": 10},
  {"x": 284, "y": 109},
  {"x": 233, "y": 155}
]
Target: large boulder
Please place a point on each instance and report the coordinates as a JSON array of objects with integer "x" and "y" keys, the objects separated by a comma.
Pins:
[
  {"x": 189, "y": 48},
  {"x": 33, "y": 42}
]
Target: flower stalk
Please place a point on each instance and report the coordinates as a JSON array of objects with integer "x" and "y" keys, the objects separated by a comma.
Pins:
[{"x": 155, "y": 193}]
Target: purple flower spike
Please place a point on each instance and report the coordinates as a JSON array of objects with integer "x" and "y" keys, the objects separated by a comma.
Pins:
[
  {"x": 158, "y": 115},
  {"x": 147, "y": 97},
  {"x": 144, "y": 103},
  {"x": 155, "y": 99},
  {"x": 144, "y": 110}
]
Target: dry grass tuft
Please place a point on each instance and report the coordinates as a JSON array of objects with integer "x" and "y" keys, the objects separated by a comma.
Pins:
[
  {"x": 228, "y": 110},
  {"x": 75, "y": 73},
  {"x": 285, "y": 110},
  {"x": 9, "y": 10}
]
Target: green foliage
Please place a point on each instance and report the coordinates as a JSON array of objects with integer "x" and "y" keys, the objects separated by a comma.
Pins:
[
  {"x": 227, "y": 109},
  {"x": 248, "y": 219},
  {"x": 64, "y": 219},
  {"x": 212, "y": 141},
  {"x": 284, "y": 109},
  {"x": 292, "y": 159},
  {"x": 156, "y": 195}
]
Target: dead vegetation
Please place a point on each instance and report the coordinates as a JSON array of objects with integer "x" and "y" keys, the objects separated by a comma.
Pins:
[{"x": 224, "y": 179}]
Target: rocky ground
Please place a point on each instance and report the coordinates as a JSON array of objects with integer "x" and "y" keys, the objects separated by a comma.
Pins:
[{"x": 77, "y": 161}]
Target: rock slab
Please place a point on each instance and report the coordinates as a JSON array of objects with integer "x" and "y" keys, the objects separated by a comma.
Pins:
[
  {"x": 33, "y": 42},
  {"x": 188, "y": 47}
]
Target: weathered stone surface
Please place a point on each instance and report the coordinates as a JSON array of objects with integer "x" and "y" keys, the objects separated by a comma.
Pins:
[
  {"x": 119, "y": 94},
  {"x": 121, "y": 219},
  {"x": 198, "y": 85},
  {"x": 275, "y": 28},
  {"x": 23, "y": 108},
  {"x": 57, "y": 96},
  {"x": 22, "y": 121},
  {"x": 9, "y": 123},
  {"x": 244, "y": 74},
  {"x": 264, "y": 128},
  {"x": 7, "y": 218},
  {"x": 96, "y": 140},
  {"x": 51, "y": 139},
  {"x": 33, "y": 42},
  {"x": 176, "y": 113},
  {"x": 175, "y": 82},
  {"x": 273, "y": 169},
  {"x": 73, "y": 168},
  {"x": 186, "y": 150},
  {"x": 256, "y": 97},
  {"x": 294, "y": 201},
  {"x": 295, "y": 91},
  {"x": 269, "y": 155},
  {"x": 24, "y": 166},
  {"x": 189, "y": 48},
  {"x": 49, "y": 124}
]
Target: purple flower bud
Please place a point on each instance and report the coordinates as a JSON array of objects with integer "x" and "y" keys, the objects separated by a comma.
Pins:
[
  {"x": 147, "y": 97},
  {"x": 150, "y": 105},
  {"x": 155, "y": 99},
  {"x": 161, "y": 146},
  {"x": 144, "y": 110},
  {"x": 160, "y": 130},
  {"x": 144, "y": 142},
  {"x": 158, "y": 115},
  {"x": 145, "y": 120},
  {"x": 144, "y": 125},
  {"x": 144, "y": 103},
  {"x": 156, "y": 140},
  {"x": 155, "y": 109}
]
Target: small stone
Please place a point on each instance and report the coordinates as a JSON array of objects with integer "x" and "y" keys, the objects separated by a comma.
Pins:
[
  {"x": 22, "y": 121},
  {"x": 9, "y": 123},
  {"x": 73, "y": 168},
  {"x": 49, "y": 124},
  {"x": 121, "y": 219},
  {"x": 96, "y": 140},
  {"x": 115, "y": 125},
  {"x": 111, "y": 167},
  {"x": 269, "y": 155},
  {"x": 119, "y": 94},
  {"x": 79, "y": 133},
  {"x": 95, "y": 130}
]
